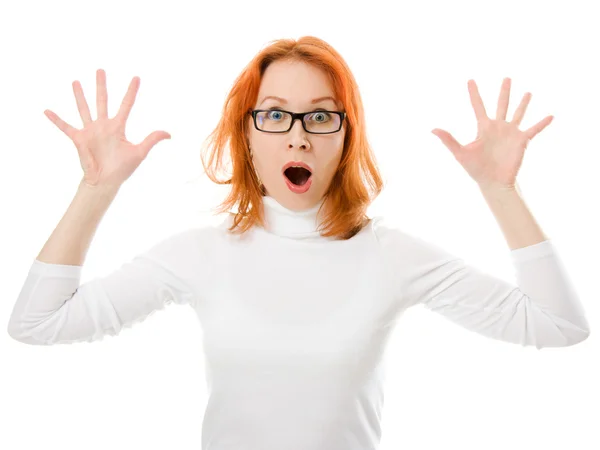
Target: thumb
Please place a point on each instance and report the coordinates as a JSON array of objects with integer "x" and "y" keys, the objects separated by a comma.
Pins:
[
  {"x": 151, "y": 140},
  {"x": 447, "y": 139}
]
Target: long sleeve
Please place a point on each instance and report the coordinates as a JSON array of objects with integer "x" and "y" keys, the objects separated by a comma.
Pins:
[
  {"x": 54, "y": 308},
  {"x": 542, "y": 310}
]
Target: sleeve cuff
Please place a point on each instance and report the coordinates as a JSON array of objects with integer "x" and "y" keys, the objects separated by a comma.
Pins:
[
  {"x": 535, "y": 251},
  {"x": 56, "y": 270}
]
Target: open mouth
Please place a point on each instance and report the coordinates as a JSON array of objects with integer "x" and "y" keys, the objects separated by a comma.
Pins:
[{"x": 297, "y": 175}]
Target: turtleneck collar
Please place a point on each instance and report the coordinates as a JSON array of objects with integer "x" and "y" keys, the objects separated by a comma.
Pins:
[{"x": 288, "y": 223}]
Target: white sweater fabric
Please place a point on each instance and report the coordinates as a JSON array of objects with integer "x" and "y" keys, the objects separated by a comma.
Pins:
[{"x": 295, "y": 325}]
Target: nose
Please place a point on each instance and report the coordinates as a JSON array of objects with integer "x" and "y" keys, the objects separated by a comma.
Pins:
[{"x": 297, "y": 136}]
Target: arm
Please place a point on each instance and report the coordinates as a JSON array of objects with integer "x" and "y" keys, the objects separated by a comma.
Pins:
[
  {"x": 542, "y": 310},
  {"x": 54, "y": 308},
  {"x": 69, "y": 242},
  {"x": 517, "y": 223}
]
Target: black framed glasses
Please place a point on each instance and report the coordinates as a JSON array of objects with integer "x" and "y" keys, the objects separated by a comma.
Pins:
[{"x": 281, "y": 121}]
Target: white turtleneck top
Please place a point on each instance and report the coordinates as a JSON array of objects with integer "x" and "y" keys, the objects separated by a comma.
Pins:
[{"x": 295, "y": 325}]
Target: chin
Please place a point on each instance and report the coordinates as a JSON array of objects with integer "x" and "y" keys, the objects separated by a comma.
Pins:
[{"x": 288, "y": 197}]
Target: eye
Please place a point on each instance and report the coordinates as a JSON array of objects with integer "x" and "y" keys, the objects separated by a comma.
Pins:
[
  {"x": 320, "y": 117},
  {"x": 275, "y": 114}
]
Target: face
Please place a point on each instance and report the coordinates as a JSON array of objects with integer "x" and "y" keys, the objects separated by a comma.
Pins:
[{"x": 297, "y": 84}]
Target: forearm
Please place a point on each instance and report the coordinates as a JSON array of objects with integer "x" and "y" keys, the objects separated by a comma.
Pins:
[
  {"x": 516, "y": 221},
  {"x": 71, "y": 239}
]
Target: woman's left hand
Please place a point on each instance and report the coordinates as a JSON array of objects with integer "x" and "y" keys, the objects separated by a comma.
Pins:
[{"x": 494, "y": 158}]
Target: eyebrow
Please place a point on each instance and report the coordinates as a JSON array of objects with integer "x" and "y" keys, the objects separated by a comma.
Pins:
[{"x": 284, "y": 101}]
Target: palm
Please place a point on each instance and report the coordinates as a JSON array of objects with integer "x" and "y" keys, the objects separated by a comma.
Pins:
[
  {"x": 106, "y": 155},
  {"x": 496, "y": 155}
]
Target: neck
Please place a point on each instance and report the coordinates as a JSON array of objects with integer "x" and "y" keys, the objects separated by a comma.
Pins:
[{"x": 292, "y": 224}]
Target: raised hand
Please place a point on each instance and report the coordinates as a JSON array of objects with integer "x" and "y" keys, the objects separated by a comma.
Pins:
[
  {"x": 494, "y": 158},
  {"x": 106, "y": 157}
]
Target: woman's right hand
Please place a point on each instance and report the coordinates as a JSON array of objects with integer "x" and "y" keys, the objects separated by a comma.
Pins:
[{"x": 106, "y": 157}]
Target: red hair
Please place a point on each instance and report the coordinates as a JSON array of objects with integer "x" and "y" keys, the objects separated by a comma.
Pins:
[{"x": 357, "y": 181}]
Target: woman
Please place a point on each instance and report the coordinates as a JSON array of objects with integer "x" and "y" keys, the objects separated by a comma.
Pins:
[{"x": 298, "y": 291}]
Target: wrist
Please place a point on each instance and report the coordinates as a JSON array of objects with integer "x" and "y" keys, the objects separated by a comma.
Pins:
[
  {"x": 498, "y": 190},
  {"x": 100, "y": 190}
]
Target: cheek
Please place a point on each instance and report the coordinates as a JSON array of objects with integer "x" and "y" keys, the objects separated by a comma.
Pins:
[
  {"x": 338, "y": 150},
  {"x": 331, "y": 163},
  {"x": 338, "y": 146},
  {"x": 265, "y": 163}
]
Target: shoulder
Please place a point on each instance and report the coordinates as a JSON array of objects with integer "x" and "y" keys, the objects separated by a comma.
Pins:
[
  {"x": 386, "y": 231},
  {"x": 196, "y": 237},
  {"x": 396, "y": 240}
]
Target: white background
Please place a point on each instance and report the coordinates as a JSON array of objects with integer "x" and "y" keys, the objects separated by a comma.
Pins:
[{"x": 447, "y": 387}]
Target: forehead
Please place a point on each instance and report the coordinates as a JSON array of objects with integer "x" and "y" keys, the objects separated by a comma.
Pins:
[{"x": 297, "y": 82}]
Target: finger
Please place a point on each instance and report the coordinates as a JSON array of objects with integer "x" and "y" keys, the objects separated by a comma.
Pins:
[
  {"x": 534, "y": 130},
  {"x": 447, "y": 139},
  {"x": 151, "y": 140},
  {"x": 61, "y": 124},
  {"x": 476, "y": 101},
  {"x": 101, "y": 94},
  {"x": 503, "y": 100},
  {"x": 82, "y": 106},
  {"x": 520, "y": 111},
  {"x": 128, "y": 100}
]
